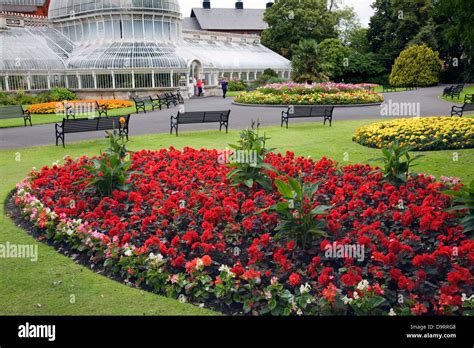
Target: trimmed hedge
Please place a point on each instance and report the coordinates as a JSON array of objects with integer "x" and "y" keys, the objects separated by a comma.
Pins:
[{"x": 417, "y": 66}]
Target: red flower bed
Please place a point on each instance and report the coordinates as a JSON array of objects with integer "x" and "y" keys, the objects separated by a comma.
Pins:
[{"x": 185, "y": 232}]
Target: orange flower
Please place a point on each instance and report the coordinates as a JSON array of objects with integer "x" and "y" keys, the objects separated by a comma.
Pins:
[
  {"x": 206, "y": 260},
  {"x": 330, "y": 293}
]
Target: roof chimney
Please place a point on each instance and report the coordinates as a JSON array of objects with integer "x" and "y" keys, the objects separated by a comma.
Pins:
[
  {"x": 239, "y": 5},
  {"x": 206, "y": 4},
  {"x": 269, "y": 4}
]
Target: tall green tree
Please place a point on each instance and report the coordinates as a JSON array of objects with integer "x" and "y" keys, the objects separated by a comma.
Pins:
[
  {"x": 308, "y": 63},
  {"x": 291, "y": 21},
  {"x": 335, "y": 56},
  {"x": 357, "y": 40},
  {"x": 396, "y": 23},
  {"x": 455, "y": 20}
]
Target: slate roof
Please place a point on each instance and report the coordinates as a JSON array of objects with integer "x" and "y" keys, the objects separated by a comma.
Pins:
[
  {"x": 229, "y": 19},
  {"x": 191, "y": 23}
]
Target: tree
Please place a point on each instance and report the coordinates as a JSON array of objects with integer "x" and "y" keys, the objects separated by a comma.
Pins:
[
  {"x": 348, "y": 22},
  {"x": 358, "y": 41},
  {"x": 307, "y": 62},
  {"x": 290, "y": 21},
  {"x": 454, "y": 19},
  {"x": 417, "y": 66},
  {"x": 363, "y": 67},
  {"x": 427, "y": 36},
  {"x": 335, "y": 56},
  {"x": 394, "y": 24}
]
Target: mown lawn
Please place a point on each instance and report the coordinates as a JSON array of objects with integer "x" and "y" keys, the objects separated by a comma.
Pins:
[
  {"x": 379, "y": 89},
  {"x": 466, "y": 90},
  {"x": 28, "y": 288}
]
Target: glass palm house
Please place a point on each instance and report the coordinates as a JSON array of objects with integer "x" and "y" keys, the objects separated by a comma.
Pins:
[{"x": 93, "y": 46}]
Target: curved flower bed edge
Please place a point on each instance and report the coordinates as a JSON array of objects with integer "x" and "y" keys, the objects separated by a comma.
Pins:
[{"x": 240, "y": 289}]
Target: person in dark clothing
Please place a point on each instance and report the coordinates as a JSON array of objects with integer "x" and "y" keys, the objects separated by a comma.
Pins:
[{"x": 224, "y": 87}]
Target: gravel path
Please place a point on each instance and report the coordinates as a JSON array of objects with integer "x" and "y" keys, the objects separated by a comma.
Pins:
[{"x": 241, "y": 116}]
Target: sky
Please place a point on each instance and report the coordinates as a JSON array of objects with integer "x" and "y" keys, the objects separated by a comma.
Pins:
[{"x": 362, "y": 7}]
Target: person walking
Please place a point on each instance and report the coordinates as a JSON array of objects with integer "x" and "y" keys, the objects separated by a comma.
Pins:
[
  {"x": 200, "y": 85},
  {"x": 224, "y": 87}
]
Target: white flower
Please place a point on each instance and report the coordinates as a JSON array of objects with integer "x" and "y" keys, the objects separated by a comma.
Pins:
[
  {"x": 224, "y": 268},
  {"x": 363, "y": 284},
  {"x": 347, "y": 300},
  {"x": 305, "y": 288},
  {"x": 155, "y": 258},
  {"x": 464, "y": 298},
  {"x": 299, "y": 312},
  {"x": 356, "y": 295},
  {"x": 128, "y": 252},
  {"x": 392, "y": 313},
  {"x": 199, "y": 264},
  {"x": 182, "y": 298}
]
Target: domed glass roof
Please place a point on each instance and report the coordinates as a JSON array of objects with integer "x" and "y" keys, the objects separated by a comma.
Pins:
[
  {"x": 68, "y": 8},
  {"x": 35, "y": 49},
  {"x": 126, "y": 55}
]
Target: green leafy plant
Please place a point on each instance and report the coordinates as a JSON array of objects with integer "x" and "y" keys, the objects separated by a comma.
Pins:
[
  {"x": 397, "y": 163},
  {"x": 464, "y": 200},
  {"x": 298, "y": 216},
  {"x": 111, "y": 171},
  {"x": 236, "y": 85},
  {"x": 253, "y": 146},
  {"x": 60, "y": 94}
]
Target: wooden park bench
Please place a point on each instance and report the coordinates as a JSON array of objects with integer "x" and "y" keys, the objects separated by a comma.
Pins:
[
  {"x": 159, "y": 102},
  {"x": 140, "y": 104},
  {"x": 82, "y": 125},
  {"x": 453, "y": 91},
  {"x": 221, "y": 117},
  {"x": 172, "y": 98},
  {"x": 467, "y": 106},
  {"x": 15, "y": 111},
  {"x": 447, "y": 91},
  {"x": 308, "y": 111},
  {"x": 102, "y": 109},
  {"x": 179, "y": 97}
]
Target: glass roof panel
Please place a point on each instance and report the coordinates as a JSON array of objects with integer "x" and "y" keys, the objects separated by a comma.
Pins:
[
  {"x": 126, "y": 55},
  {"x": 227, "y": 55},
  {"x": 32, "y": 49},
  {"x": 66, "y": 8}
]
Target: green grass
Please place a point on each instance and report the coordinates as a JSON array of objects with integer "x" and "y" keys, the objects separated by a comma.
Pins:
[
  {"x": 379, "y": 89},
  {"x": 466, "y": 90},
  {"x": 26, "y": 284},
  {"x": 233, "y": 93},
  {"x": 46, "y": 119}
]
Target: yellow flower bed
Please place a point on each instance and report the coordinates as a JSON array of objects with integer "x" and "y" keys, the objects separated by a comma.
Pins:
[
  {"x": 424, "y": 134},
  {"x": 58, "y": 107}
]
